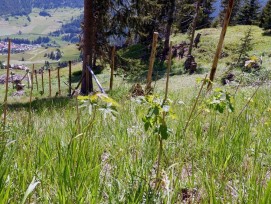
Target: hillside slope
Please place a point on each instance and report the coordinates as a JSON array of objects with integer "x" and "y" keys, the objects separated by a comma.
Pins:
[
  {"x": 15, "y": 7},
  {"x": 24, "y": 7}
]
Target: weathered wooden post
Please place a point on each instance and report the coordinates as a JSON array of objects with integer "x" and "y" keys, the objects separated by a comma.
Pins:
[
  {"x": 58, "y": 80},
  {"x": 36, "y": 77},
  {"x": 152, "y": 59},
  {"x": 29, "y": 82},
  {"x": 220, "y": 43},
  {"x": 168, "y": 69},
  {"x": 30, "y": 99},
  {"x": 112, "y": 67},
  {"x": 32, "y": 77},
  {"x": 6, "y": 92},
  {"x": 50, "y": 83},
  {"x": 70, "y": 78},
  {"x": 42, "y": 82}
]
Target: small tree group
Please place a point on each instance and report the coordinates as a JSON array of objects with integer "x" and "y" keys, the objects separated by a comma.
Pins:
[{"x": 266, "y": 17}]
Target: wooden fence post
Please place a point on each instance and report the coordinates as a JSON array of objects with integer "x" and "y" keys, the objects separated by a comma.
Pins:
[
  {"x": 29, "y": 82},
  {"x": 6, "y": 92},
  {"x": 30, "y": 98},
  {"x": 112, "y": 67},
  {"x": 152, "y": 59},
  {"x": 37, "y": 83},
  {"x": 50, "y": 83},
  {"x": 32, "y": 77},
  {"x": 12, "y": 80},
  {"x": 168, "y": 69},
  {"x": 58, "y": 79},
  {"x": 42, "y": 82},
  {"x": 70, "y": 78},
  {"x": 220, "y": 43}
]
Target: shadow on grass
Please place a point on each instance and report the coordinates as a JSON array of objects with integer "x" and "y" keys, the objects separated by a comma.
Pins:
[
  {"x": 41, "y": 104},
  {"x": 140, "y": 75},
  {"x": 266, "y": 33}
]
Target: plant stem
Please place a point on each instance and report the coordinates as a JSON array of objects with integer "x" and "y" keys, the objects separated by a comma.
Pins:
[
  {"x": 195, "y": 104},
  {"x": 159, "y": 162},
  {"x": 248, "y": 102}
]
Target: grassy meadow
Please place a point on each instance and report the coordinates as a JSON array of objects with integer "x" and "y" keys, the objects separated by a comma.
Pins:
[
  {"x": 56, "y": 153},
  {"x": 38, "y": 25},
  {"x": 36, "y": 56}
]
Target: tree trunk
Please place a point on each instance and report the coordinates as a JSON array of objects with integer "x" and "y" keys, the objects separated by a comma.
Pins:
[
  {"x": 168, "y": 28},
  {"x": 194, "y": 28},
  {"x": 87, "y": 85}
]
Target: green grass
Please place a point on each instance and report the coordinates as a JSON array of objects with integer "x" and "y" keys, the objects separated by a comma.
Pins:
[
  {"x": 221, "y": 158},
  {"x": 209, "y": 39},
  {"x": 36, "y": 56}
]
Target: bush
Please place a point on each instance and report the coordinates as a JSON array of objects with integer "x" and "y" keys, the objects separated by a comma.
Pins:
[{"x": 44, "y": 13}]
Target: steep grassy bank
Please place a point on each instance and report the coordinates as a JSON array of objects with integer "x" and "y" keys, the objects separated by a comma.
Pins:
[{"x": 221, "y": 158}]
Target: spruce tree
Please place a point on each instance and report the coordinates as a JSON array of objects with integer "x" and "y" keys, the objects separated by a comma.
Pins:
[
  {"x": 185, "y": 11},
  {"x": 235, "y": 11},
  {"x": 100, "y": 23},
  {"x": 266, "y": 17},
  {"x": 144, "y": 18},
  {"x": 205, "y": 17},
  {"x": 249, "y": 13}
]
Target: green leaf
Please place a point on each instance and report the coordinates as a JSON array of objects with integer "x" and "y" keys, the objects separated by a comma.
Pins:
[
  {"x": 156, "y": 110},
  {"x": 163, "y": 131},
  {"x": 147, "y": 125}
]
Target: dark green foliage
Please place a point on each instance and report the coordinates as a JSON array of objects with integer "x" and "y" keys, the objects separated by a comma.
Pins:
[
  {"x": 144, "y": 19},
  {"x": 1, "y": 65},
  {"x": 24, "y": 7},
  {"x": 205, "y": 18},
  {"x": 54, "y": 4},
  {"x": 44, "y": 13},
  {"x": 184, "y": 14},
  {"x": 235, "y": 10},
  {"x": 15, "y": 7},
  {"x": 185, "y": 11},
  {"x": 245, "y": 46},
  {"x": 249, "y": 13},
  {"x": 266, "y": 16}
]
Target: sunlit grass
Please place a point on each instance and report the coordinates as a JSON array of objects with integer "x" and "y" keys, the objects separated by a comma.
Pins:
[{"x": 221, "y": 158}]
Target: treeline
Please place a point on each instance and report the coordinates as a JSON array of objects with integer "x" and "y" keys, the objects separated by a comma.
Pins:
[
  {"x": 48, "y": 4},
  {"x": 39, "y": 40},
  {"x": 15, "y": 7},
  {"x": 24, "y": 7},
  {"x": 70, "y": 31}
]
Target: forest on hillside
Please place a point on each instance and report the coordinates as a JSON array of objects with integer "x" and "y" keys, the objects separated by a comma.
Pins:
[{"x": 24, "y": 7}]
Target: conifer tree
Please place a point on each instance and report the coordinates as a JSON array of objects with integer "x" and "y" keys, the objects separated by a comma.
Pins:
[
  {"x": 266, "y": 17},
  {"x": 185, "y": 11},
  {"x": 249, "y": 13},
  {"x": 168, "y": 13},
  {"x": 100, "y": 23},
  {"x": 205, "y": 17},
  {"x": 235, "y": 11},
  {"x": 144, "y": 18}
]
